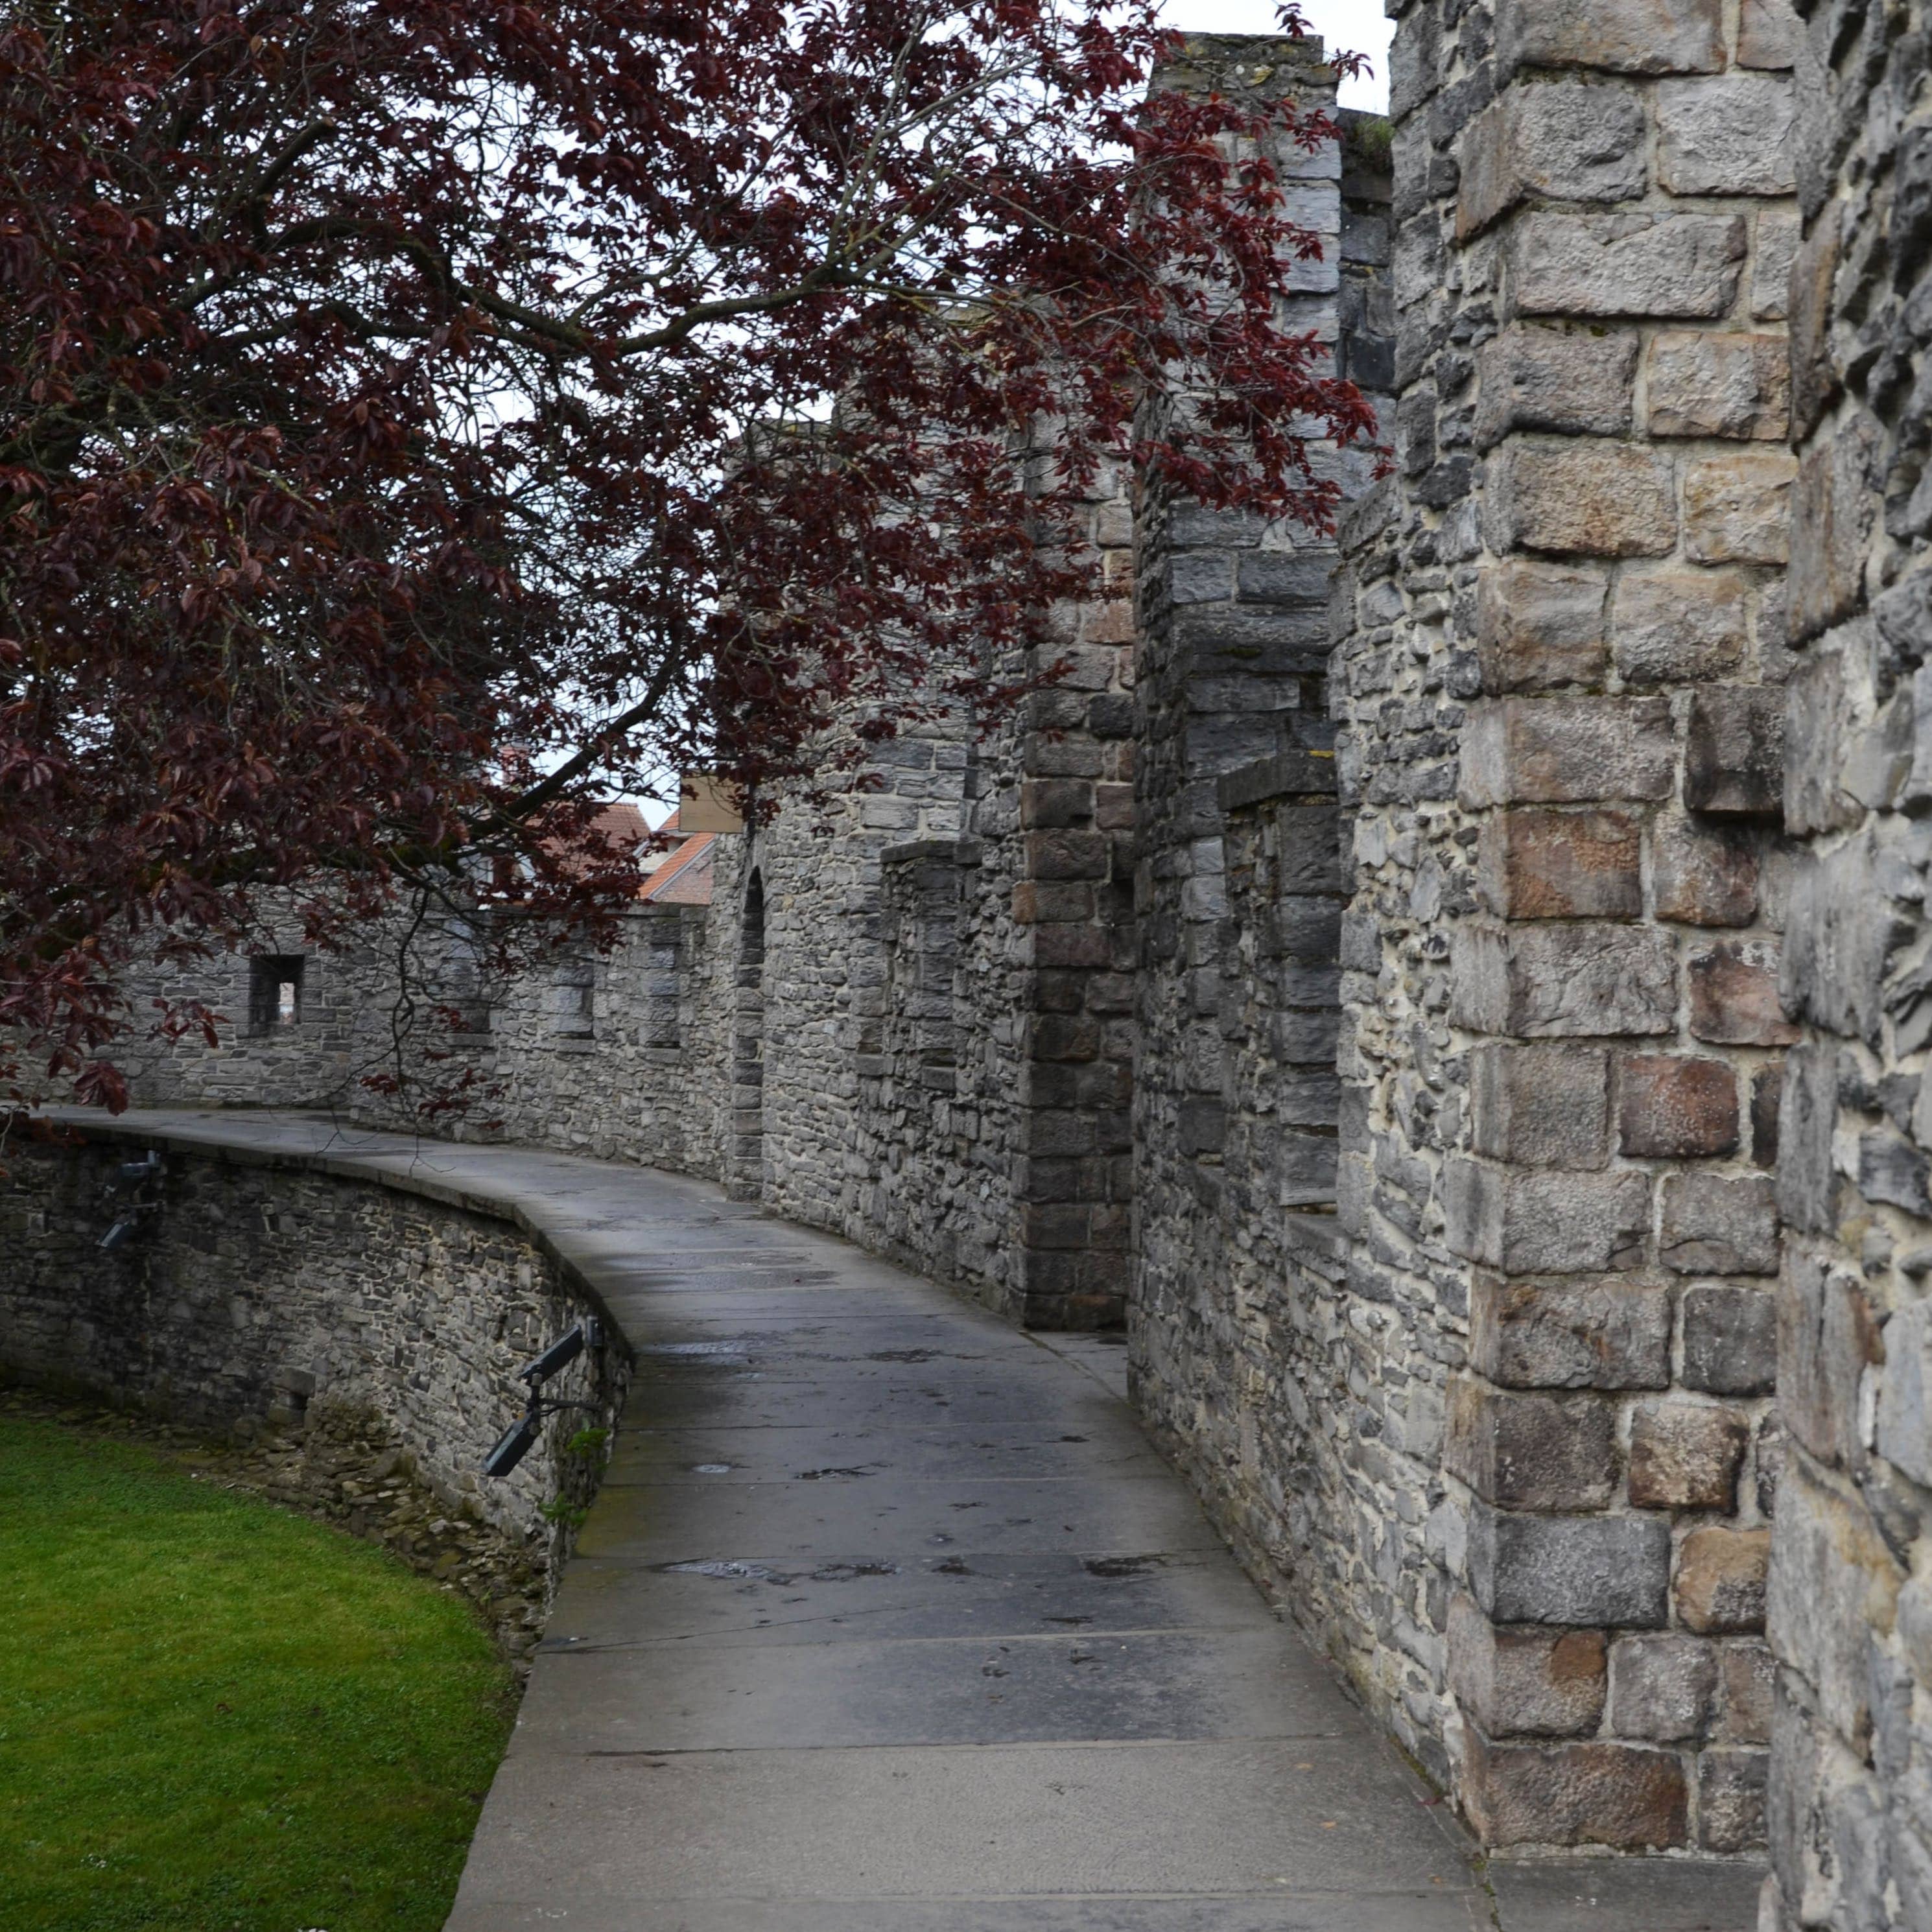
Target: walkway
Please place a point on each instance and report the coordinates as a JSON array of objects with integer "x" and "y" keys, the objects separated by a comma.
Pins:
[{"x": 888, "y": 1619}]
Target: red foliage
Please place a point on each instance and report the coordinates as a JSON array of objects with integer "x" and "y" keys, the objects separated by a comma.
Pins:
[{"x": 414, "y": 421}]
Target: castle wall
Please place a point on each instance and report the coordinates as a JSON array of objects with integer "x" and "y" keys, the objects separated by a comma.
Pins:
[{"x": 1851, "y": 1573}]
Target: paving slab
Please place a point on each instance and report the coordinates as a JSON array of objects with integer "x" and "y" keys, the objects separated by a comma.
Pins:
[{"x": 888, "y": 1619}]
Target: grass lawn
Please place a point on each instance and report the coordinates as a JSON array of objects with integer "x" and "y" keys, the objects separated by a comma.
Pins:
[{"x": 216, "y": 1714}]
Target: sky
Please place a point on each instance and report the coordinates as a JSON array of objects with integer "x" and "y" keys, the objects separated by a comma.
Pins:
[{"x": 1358, "y": 26}]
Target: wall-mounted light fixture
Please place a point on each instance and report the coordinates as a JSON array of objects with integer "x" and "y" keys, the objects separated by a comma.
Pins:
[{"x": 521, "y": 1437}]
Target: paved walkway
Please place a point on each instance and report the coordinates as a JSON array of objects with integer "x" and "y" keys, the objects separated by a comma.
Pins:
[{"x": 888, "y": 1619}]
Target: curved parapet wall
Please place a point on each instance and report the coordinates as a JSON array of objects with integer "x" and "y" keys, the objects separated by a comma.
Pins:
[{"x": 282, "y": 1279}]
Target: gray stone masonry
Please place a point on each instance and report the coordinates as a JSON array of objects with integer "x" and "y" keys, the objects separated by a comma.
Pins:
[
  {"x": 361, "y": 1333},
  {"x": 1560, "y": 640},
  {"x": 1851, "y": 1576}
]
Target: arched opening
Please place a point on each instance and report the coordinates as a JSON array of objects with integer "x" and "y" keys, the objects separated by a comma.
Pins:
[{"x": 746, "y": 1175}]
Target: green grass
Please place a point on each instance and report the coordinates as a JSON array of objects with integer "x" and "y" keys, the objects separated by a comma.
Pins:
[{"x": 217, "y": 1714}]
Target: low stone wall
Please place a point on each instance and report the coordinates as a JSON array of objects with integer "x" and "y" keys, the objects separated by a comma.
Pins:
[{"x": 361, "y": 1335}]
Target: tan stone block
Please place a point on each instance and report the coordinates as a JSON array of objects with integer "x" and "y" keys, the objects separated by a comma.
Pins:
[
  {"x": 1584, "y": 497},
  {"x": 1539, "y": 625},
  {"x": 1736, "y": 508},
  {"x": 1560, "y": 751},
  {"x": 1674, "y": 1107},
  {"x": 1702, "y": 383},
  {"x": 1814, "y": 375},
  {"x": 1519, "y": 1682},
  {"x": 1727, "y": 135},
  {"x": 1831, "y": 516},
  {"x": 1776, "y": 237},
  {"x": 1679, "y": 626},
  {"x": 1576, "y": 382},
  {"x": 1734, "y": 998},
  {"x": 1624, "y": 36},
  {"x": 1622, "y": 1795},
  {"x": 1563, "y": 982},
  {"x": 1626, "y": 264},
  {"x": 1720, "y": 1585},
  {"x": 1561, "y": 865},
  {"x": 1567, "y": 141},
  {"x": 1748, "y": 1674},
  {"x": 1704, "y": 874},
  {"x": 1541, "y": 1106},
  {"x": 1613, "y": 1334},
  {"x": 1686, "y": 1455}
]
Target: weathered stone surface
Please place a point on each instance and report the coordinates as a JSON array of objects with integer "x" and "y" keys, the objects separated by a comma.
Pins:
[
  {"x": 1570, "y": 381},
  {"x": 1732, "y": 136},
  {"x": 1702, "y": 383},
  {"x": 1685, "y": 1455},
  {"x": 1663, "y": 1688},
  {"x": 1736, "y": 507},
  {"x": 1626, "y": 264},
  {"x": 1581, "y": 1570},
  {"x": 1731, "y": 1799},
  {"x": 1730, "y": 1338},
  {"x": 1734, "y": 752},
  {"x": 1679, "y": 626},
  {"x": 1566, "y": 142},
  {"x": 1563, "y": 982},
  {"x": 1557, "y": 750},
  {"x": 1542, "y": 1221},
  {"x": 1829, "y": 1337},
  {"x": 1583, "y": 497},
  {"x": 1527, "y": 1451},
  {"x": 1768, "y": 34},
  {"x": 1625, "y": 36},
  {"x": 1720, "y": 1586},
  {"x": 1734, "y": 995},
  {"x": 1541, "y": 1105},
  {"x": 1562, "y": 865},
  {"x": 1719, "y": 1224},
  {"x": 1704, "y": 874},
  {"x": 1576, "y": 1794},
  {"x": 1905, "y": 1406},
  {"x": 1524, "y": 1683},
  {"x": 1749, "y": 1672},
  {"x": 1674, "y": 1107},
  {"x": 1831, "y": 517},
  {"x": 1540, "y": 626},
  {"x": 1571, "y": 1334}
]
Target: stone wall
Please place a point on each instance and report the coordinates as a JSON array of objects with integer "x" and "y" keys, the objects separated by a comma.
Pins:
[
  {"x": 1851, "y": 1589},
  {"x": 264, "y": 1297}
]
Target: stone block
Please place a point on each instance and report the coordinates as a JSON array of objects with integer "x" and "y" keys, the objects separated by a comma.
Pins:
[
  {"x": 1056, "y": 803},
  {"x": 1719, "y": 1224},
  {"x": 1539, "y": 625},
  {"x": 1734, "y": 995},
  {"x": 1731, "y": 1786},
  {"x": 1626, "y": 264},
  {"x": 1564, "y": 750},
  {"x": 1582, "y": 497},
  {"x": 1570, "y": 382},
  {"x": 1563, "y": 982},
  {"x": 1620, "y": 1795},
  {"x": 1589, "y": 1570},
  {"x": 1905, "y": 1397},
  {"x": 1737, "y": 507},
  {"x": 1686, "y": 1455},
  {"x": 1571, "y": 1334},
  {"x": 1561, "y": 865},
  {"x": 1767, "y": 1105},
  {"x": 1663, "y": 1687},
  {"x": 1734, "y": 752},
  {"x": 1831, "y": 515},
  {"x": 1748, "y": 1671},
  {"x": 1828, "y": 1339},
  {"x": 1524, "y": 1683},
  {"x": 1704, "y": 384},
  {"x": 1777, "y": 245},
  {"x": 1540, "y": 1106},
  {"x": 1067, "y": 855},
  {"x": 1704, "y": 874},
  {"x": 1679, "y": 626},
  {"x": 1624, "y": 36},
  {"x": 1836, "y": 1587},
  {"x": 1768, "y": 34},
  {"x": 1720, "y": 1585},
  {"x": 1528, "y": 1451},
  {"x": 1568, "y": 141},
  {"x": 1815, "y": 383},
  {"x": 1544, "y": 1221},
  {"x": 1671, "y": 1106},
  {"x": 1732, "y": 136},
  {"x": 1730, "y": 1338}
]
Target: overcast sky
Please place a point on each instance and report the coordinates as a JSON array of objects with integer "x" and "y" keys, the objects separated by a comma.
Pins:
[{"x": 1356, "y": 24}]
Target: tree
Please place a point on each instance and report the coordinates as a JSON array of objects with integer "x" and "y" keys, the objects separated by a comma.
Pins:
[{"x": 420, "y": 419}]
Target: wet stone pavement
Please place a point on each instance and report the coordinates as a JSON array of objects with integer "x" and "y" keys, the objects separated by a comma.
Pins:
[{"x": 888, "y": 1619}]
